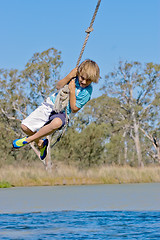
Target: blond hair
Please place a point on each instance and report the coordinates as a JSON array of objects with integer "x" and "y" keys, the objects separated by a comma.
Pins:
[{"x": 90, "y": 70}]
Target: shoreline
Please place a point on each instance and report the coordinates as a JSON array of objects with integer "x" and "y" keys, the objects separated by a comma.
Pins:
[{"x": 70, "y": 176}]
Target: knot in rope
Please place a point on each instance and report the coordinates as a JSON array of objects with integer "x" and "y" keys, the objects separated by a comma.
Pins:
[{"x": 89, "y": 29}]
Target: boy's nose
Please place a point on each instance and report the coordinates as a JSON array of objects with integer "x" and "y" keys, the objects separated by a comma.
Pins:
[{"x": 84, "y": 81}]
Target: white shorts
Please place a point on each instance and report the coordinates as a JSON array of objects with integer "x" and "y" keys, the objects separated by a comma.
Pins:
[{"x": 40, "y": 116}]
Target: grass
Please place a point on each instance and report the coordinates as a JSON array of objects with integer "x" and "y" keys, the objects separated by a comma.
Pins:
[
  {"x": 69, "y": 175},
  {"x": 5, "y": 184}
]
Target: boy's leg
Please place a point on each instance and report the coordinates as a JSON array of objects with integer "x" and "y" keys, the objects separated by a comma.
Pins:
[
  {"x": 36, "y": 120},
  {"x": 26, "y": 130},
  {"x": 56, "y": 121},
  {"x": 55, "y": 124}
]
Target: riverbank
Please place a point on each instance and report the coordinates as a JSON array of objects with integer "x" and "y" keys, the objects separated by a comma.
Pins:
[{"x": 36, "y": 175}]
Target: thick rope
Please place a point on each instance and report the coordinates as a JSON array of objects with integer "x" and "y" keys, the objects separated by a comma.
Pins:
[
  {"x": 62, "y": 99},
  {"x": 63, "y": 129},
  {"x": 63, "y": 95}
]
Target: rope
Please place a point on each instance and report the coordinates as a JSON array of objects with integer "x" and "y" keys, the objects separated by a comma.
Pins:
[
  {"x": 63, "y": 130},
  {"x": 88, "y": 31},
  {"x": 59, "y": 101},
  {"x": 62, "y": 99}
]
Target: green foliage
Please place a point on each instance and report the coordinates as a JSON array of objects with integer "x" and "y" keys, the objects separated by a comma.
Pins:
[
  {"x": 40, "y": 75},
  {"x": 89, "y": 146},
  {"x": 5, "y": 184},
  {"x": 85, "y": 148},
  {"x": 13, "y": 101},
  {"x": 115, "y": 150}
]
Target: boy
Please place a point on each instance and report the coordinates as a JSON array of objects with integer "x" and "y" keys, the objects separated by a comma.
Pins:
[{"x": 46, "y": 120}]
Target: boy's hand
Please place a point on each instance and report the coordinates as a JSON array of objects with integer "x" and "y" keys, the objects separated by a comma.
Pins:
[{"x": 66, "y": 80}]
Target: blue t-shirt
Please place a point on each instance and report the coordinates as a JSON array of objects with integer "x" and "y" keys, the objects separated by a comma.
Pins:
[{"x": 83, "y": 95}]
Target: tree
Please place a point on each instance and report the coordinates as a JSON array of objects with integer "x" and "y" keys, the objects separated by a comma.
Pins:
[
  {"x": 137, "y": 89},
  {"x": 83, "y": 148},
  {"x": 22, "y": 92},
  {"x": 40, "y": 75},
  {"x": 13, "y": 104},
  {"x": 105, "y": 110}
]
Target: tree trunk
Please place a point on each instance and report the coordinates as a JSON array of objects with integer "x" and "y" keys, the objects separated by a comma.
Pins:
[
  {"x": 137, "y": 144},
  {"x": 158, "y": 151},
  {"x": 125, "y": 148},
  {"x": 156, "y": 144},
  {"x": 125, "y": 152}
]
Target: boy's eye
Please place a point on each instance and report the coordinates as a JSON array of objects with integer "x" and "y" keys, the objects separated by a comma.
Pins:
[
  {"x": 88, "y": 81},
  {"x": 83, "y": 78}
]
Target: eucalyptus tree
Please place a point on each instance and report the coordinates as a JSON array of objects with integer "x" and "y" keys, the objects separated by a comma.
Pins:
[
  {"x": 22, "y": 91},
  {"x": 12, "y": 105},
  {"x": 137, "y": 88},
  {"x": 40, "y": 74},
  {"x": 13, "y": 99},
  {"x": 105, "y": 111},
  {"x": 83, "y": 148}
]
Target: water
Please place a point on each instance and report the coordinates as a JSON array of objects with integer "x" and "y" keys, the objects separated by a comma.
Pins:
[
  {"x": 122, "y": 211},
  {"x": 109, "y": 197},
  {"x": 75, "y": 225}
]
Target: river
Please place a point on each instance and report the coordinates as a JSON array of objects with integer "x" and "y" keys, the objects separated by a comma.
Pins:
[
  {"x": 124, "y": 211},
  {"x": 109, "y": 197}
]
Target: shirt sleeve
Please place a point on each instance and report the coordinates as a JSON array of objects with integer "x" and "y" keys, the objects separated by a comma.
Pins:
[{"x": 83, "y": 97}]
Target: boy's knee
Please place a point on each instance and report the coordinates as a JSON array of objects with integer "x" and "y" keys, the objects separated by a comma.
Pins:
[
  {"x": 56, "y": 123},
  {"x": 26, "y": 130},
  {"x": 23, "y": 127}
]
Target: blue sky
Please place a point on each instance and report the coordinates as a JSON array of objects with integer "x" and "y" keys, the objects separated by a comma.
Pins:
[{"x": 123, "y": 30}]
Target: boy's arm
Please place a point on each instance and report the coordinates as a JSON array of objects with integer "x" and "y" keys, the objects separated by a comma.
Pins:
[
  {"x": 72, "y": 97},
  {"x": 65, "y": 80}
]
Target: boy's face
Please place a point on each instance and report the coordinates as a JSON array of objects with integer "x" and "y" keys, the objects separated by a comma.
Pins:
[{"x": 83, "y": 81}]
